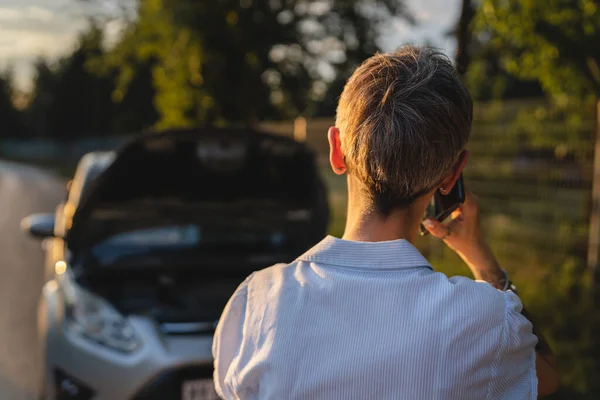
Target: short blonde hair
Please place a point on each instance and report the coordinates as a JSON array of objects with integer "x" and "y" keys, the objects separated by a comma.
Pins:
[{"x": 404, "y": 118}]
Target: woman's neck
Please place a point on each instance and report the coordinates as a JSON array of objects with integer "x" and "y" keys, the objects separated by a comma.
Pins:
[{"x": 365, "y": 224}]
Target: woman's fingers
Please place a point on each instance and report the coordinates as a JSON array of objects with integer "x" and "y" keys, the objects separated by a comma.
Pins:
[
  {"x": 462, "y": 232},
  {"x": 457, "y": 215},
  {"x": 441, "y": 230},
  {"x": 436, "y": 228}
]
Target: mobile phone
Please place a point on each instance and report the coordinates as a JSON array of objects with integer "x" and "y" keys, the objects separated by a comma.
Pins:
[{"x": 442, "y": 206}]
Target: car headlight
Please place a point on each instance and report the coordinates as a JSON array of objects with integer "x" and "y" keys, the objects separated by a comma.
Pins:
[{"x": 95, "y": 319}]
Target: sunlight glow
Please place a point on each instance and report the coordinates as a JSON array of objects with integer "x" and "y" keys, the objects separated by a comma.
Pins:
[{"x": 60, "y": 267}]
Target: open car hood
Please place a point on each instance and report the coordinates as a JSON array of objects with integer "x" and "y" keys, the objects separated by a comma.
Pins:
[{"x": 208, "y": 176}]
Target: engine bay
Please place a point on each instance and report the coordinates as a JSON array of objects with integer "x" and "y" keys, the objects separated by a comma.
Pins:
[{"x": 166, "y": 296}]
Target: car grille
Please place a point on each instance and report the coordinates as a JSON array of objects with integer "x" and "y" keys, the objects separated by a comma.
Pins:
[{"x": 169, "y": 384}]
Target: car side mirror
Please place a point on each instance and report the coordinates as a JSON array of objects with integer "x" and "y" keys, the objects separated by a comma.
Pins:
[{"x": 39, "y": 225}]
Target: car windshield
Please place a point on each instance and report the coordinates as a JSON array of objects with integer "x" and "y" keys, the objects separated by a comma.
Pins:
[{"x": 179, "y": 238}]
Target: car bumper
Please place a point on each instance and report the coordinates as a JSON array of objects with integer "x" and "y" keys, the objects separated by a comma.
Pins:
[{"x": 83, "y": 369}]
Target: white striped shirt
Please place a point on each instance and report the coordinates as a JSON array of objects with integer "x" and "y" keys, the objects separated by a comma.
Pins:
[{"x": 356, "y": 320}]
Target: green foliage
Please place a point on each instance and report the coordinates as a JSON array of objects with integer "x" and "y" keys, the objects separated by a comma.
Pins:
[
  {"x": 236, "y": 61},
  {"x": 553, "y": 41},
  {"x": 488, "y": 79},
  {"x": 181, "y": 63},
  {"x": 172, "y": 56}
]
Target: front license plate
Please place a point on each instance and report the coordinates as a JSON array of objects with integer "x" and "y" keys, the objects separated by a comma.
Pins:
[{"x": 199, "y": 389}]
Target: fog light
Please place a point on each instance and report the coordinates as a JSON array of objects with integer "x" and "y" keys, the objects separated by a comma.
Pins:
[{"x": 69, "y": 388}]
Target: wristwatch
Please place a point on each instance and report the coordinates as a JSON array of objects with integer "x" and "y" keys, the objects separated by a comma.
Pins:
[{"x": 508, "y": 285}]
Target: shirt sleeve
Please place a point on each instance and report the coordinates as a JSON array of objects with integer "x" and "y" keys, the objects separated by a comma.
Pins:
[
  {"x": 513, "y": 371},
  {"x": 228, "y": 339}
]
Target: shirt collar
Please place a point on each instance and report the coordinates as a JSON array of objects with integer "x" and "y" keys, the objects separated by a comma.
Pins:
[{"x": 393, "y": 254}]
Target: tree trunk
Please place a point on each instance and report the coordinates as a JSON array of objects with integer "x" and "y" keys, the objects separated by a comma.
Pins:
[
  {"x": 594, "y": 231},
  {"x": 463, "y": 36}
]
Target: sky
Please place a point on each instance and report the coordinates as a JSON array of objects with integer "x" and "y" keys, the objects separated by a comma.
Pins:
[{"x": 48, "y": 28}]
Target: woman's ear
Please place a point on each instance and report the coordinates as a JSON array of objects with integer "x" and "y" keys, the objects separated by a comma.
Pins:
[
  {"x": 336, "y": 157},
  {"x": 449, "y": 182}
]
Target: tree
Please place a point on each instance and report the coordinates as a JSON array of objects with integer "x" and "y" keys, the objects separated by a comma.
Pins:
[
  {"x": 552, "y": 41},
  {"x": 69, "y": 100},
  {"x": 82, "y": 104},
  {"x": 240, "y": 61},
  {"x": 170, "y": 56},
  {"x": 556, "y": 43},
  {"x": 38, "y": 112},
  {"x": 463, "y": 33},
  {"x": 134, "y": 109},
  {"x": 480, "y": 60},
  {"x": 10, "y": 118}
]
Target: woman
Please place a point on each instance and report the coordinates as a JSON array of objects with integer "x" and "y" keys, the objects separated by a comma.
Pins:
[{"x": 366, "y": 316}]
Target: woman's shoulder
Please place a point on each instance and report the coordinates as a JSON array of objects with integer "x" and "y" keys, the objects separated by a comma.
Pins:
[{"x": 466, "y": 293}]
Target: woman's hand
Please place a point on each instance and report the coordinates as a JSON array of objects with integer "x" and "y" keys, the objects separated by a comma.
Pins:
[{"x": 463, "y": 235}]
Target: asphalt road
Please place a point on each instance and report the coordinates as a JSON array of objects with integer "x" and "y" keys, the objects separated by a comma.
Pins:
[{"x": 23, "y": 190}]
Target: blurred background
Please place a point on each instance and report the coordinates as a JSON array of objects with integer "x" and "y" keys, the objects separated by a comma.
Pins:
[{"x": 77, "y": 76}]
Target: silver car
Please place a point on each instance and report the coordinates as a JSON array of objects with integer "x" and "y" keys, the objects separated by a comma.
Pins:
[{"x": 147, "y": 248}]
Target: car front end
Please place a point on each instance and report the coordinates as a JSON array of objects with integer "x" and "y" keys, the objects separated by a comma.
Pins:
[
  {"x": 156, "y": 247},
  {"x": 90, "y": 356}
]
